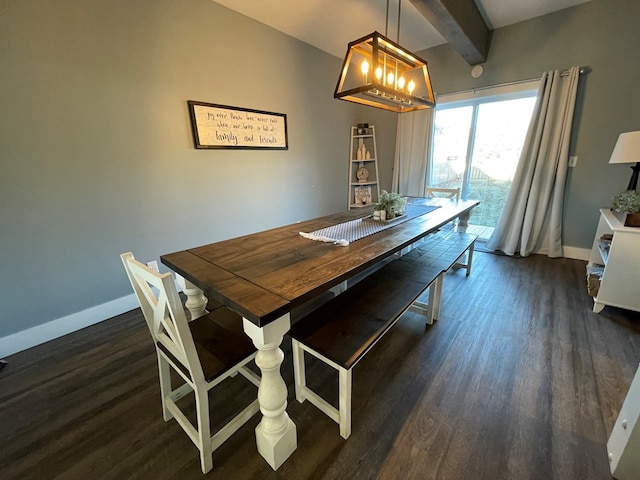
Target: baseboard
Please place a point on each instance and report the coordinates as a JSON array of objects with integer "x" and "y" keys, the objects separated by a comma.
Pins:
[
  {"x": 576, "y": 253},
  {"x": 61, "y": 326}
]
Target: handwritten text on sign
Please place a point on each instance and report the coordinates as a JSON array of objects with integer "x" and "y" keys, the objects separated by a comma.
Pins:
[{"x": 220, "y": 126}]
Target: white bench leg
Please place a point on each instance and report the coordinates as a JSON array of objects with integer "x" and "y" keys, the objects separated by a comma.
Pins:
[
  {"x": 435, "y": 299},
  {"x": 470, "y": 258},
  {"x": 461, "y": 263},
  {"x": 340, "y": 415},
  {"x": 300, "y": 379},
  {"x": 439, "y": 287},
  {"x": 345, "y": 402}
]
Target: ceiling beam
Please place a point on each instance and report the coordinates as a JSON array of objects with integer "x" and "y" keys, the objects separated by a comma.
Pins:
[{"x": 461, "y": 24}]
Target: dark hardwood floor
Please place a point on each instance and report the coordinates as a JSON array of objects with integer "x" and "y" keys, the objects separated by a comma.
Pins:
[{"x": 519, "y": 379}]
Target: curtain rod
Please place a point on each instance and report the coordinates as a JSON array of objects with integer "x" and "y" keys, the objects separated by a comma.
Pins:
[{"x": 564, "y": 73}]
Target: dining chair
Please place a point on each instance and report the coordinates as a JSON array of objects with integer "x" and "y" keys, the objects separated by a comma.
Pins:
[
  {"x": 431, "y": 192},
  {"x": 203, "y": 352}
]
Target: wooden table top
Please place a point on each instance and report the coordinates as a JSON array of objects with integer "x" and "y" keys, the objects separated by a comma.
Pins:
[{"x": 264, "y": 275}]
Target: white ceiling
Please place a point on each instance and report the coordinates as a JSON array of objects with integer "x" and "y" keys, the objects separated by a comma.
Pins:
[{"x": 330, "y": 24}]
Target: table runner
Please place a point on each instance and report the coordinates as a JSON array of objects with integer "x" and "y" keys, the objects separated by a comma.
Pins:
[{"x": 344, "y": 233}]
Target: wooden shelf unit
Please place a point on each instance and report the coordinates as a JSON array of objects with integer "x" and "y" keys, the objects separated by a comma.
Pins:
[
  {"x": 621, "y": 274},
  {"x": 371, "y": 164}
]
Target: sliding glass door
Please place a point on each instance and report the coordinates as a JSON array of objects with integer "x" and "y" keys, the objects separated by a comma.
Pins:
[{"x": 476, "y": 148}]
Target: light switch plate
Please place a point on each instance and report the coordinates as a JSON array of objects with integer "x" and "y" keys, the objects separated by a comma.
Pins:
[
  {"x": 153, "y": 265},
  {"x": 573, "y": 160}
]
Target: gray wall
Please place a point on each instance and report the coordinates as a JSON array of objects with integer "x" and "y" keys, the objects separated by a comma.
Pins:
[
  {"x": 96, "y": 155},
  {"x": 601, "y": 34}
]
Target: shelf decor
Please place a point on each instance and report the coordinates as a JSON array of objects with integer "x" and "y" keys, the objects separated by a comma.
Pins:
[
  {"x": 392, "y": 203},
  {"x": 362, "y": 173},
  {"x": 363, "y": 129},
  {"x": 627, "y": 204},
  {"x": 632, "y": 220},
  {"x": 222, "y": 126},
  {"x": 363, "y": 195}
]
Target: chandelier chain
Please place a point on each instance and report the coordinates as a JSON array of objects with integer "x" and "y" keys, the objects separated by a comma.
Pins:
[
  {"x": 386, "y": 25},
  {"x": 398, "y": 31}
]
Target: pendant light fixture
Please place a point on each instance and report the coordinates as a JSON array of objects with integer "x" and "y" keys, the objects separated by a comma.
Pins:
[{"x": 380, "y": 73}]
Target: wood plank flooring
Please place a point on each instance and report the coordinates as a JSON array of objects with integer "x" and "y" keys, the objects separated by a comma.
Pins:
[{"x": 519, "y": 379}]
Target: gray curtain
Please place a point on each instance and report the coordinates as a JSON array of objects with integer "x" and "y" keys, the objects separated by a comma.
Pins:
[
  {"x": 531, "y": 221},
  {"x": 413, "y": 143}
]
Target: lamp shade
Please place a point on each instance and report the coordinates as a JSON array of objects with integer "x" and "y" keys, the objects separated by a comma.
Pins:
[
  {"x": 627, "y": 149},
  {"x": 380, "y": 73}
]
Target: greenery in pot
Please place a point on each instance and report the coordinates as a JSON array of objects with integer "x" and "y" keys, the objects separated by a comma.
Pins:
[
  {"x": 627, "y": 202},
  {"x": 393, "y": 203}
]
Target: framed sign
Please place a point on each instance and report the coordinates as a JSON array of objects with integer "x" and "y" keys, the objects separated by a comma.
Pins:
[
  {"x": 362, "y": 195},
  {"x": 221, "y": 126}
]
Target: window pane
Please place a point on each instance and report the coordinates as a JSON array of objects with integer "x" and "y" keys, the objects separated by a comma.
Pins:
[
  {"x": 501, "y": 128},
  {"x": 450, "y": 146}
]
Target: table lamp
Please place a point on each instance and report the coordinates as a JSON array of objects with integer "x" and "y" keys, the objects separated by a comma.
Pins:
[{"x": 627, "y": 150}]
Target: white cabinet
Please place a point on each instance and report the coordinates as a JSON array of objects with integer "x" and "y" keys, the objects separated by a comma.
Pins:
[
  {"x": 363, "y": 167},
  {"x": 620, "y": 280},
  {"x": 623, "y": 446}
]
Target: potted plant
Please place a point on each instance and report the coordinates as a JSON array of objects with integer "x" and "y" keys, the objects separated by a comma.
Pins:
[
  {"x": 628, "y": 204},
  {"x": 392, "y": 203}
]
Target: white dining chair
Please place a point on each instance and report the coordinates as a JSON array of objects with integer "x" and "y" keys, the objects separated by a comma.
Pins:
[
  {"x": 432, "y": 192},
  {"x": 203, "y": 352}
]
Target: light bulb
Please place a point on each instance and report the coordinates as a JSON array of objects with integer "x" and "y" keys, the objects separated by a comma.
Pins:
[
  {"x": 401, "y": 83},
  {"x": 390, "y": 79},
  {"x": 411, "y": 86},
  {"x": 378, "y": 73},
  {"x": 364, "y": 67}
]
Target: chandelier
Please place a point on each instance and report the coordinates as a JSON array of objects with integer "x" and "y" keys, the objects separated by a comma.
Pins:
[{"x": 380, "y": 73}]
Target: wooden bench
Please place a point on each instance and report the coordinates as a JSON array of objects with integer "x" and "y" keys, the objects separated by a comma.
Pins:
[{"x": 344, "y": 329}]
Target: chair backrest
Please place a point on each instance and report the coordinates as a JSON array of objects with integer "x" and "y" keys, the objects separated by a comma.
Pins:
[
  {"x": 164, "y": 313},
  {"x": 430, "y": 192}
]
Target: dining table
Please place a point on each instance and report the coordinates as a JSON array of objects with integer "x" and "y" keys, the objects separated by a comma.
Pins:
[{"x": 264, "y": 276}]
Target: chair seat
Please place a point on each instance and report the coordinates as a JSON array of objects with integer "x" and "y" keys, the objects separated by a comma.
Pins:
[{"x": 220, "y": 342}]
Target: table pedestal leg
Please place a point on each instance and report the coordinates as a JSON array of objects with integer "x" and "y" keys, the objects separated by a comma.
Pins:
[
  {"x": 276, "y": 437},
  {"x": 196, "y": 301},
  {"x": 463, "y": 221}
]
